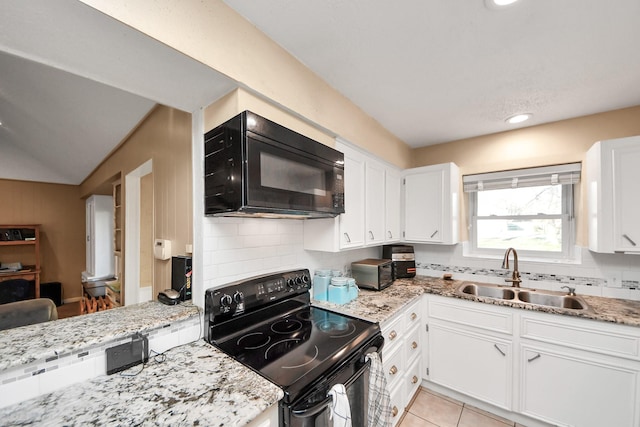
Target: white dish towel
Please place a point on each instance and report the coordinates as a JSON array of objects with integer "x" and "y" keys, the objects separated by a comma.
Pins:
[
  {"x": 379, "y": 410},
  {"x": 340, "y": 409}
]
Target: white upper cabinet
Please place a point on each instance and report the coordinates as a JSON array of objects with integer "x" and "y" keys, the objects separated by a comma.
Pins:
[
  {"x": 613, "y": 174},
  {"x": 370, "y": 216},
  {"x": 431, "y": 204},
  {"x": 392, "y": 206}
]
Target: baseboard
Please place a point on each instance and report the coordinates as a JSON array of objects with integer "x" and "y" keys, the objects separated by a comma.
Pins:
[{"x": 70, "y": 300}]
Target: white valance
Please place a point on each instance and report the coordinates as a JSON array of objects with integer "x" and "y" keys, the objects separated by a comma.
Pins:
[{"x": 530, "y": 177}]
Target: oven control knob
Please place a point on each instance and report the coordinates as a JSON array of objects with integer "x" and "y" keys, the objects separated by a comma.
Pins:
[
  {"x": 225, "y": 300},
  {"x": 305, "y": 279},
  {"x": 238, "y": 297},
  {"x": 291, "y": 283}
]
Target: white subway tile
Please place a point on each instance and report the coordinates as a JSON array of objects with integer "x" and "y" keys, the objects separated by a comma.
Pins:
[{"x": 20, "y": 390}]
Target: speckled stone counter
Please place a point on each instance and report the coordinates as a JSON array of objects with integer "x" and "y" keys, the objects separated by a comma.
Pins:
[
  {"x": 382, "y": 305},
  {"x": 47, "y": 340},
  {"x": 195, "y": 385}
]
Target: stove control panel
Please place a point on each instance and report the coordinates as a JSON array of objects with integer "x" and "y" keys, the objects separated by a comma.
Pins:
[{"x": 254, "y": 293}]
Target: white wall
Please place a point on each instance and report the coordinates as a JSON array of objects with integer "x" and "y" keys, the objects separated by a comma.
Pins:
[{"x": 237, "y": 248}]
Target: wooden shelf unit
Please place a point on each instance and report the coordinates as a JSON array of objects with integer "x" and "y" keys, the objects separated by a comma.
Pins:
[{"x": 29, "y": 272}]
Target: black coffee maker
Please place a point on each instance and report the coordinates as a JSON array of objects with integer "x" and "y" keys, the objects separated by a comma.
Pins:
[{"x": 403, "y": 260}]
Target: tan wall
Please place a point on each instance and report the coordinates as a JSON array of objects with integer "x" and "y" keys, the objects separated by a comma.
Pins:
[
  {"x": 60, "y": 211},
  {"x": 554, "y": 143},
  {"x": 217, "y": 36},
  {"x": 165, "y": 137}
]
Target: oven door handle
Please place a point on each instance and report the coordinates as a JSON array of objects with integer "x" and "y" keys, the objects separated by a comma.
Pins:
[{"x": 311, "y": 411}]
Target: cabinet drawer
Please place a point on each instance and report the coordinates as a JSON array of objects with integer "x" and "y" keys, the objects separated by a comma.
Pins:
[
  {"x": 472, "y": 314},
  {"x": 413, "y": 379},
  {"x": 394, "y": 367},
  {"x": 392, "y": 333},
  {"x": 577, "y": 333},
  {"x": 412, "y": 344},
  {"x": 412, "y": 315},
  {"x": 397, "y": 407}
]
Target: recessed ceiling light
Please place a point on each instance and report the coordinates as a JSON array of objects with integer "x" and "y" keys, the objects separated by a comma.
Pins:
[
  {"x": 498, "y": 4},
  {"x": 518, "y": 118}
]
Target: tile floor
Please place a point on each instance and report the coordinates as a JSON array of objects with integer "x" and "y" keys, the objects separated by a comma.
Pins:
[{"x": 430, "y": 409}]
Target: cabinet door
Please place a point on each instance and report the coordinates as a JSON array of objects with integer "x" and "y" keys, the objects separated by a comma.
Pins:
[
  {"x": 374, "y": 200},
  {"x": 392, "y": 204},
  {"x": 351, "y": 230},
  {"x": 563, "y": 388},
  {"x": 626, "y": 202},
  {"x": 473, "y": 364},
  {"x": 423, "y": 194}
]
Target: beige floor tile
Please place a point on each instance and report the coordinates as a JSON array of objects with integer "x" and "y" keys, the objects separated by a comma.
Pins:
[
  {"x": 436, "y": 409},
  {"x": 450, "y": 399},
  {"x": 471, "y": 418},
  {"x": 489, "y": 414},
  {"x": 411, "y": 420}
]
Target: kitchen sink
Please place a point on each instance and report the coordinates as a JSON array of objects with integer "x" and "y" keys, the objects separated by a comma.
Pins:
[
  {"x": 552, "y": 300},
  {"x": 523, "y": 295},
  {"x": 487, "y": 291}
]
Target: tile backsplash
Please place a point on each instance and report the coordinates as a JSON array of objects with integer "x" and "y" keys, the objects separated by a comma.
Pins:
[{"x": 237, "y": 248}]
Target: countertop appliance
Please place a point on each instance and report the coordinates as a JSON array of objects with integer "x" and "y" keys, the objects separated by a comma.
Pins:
[
  {"x": 268, "y": 324},
  {"x": 372, "y": 273},
  {"x": 403, "y": 260},
  {"x": 255, "y": 167}
]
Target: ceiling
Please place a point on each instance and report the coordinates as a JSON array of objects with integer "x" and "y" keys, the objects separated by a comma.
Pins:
[
  {"x": 74, "y": 83},
  {"x": 433, "y": 71},
  {"x": 430, "y": 71}
]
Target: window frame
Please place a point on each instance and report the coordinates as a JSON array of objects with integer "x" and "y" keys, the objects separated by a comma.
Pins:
[{"x": 567, "y": 218}]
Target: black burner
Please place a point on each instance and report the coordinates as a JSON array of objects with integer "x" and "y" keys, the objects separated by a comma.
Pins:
[
  {"x": 277, "y": 349},
  {"x": 337, "y": 329},
  {"x": 286, "y": 326},
  {"x": 253, "y": 340}
]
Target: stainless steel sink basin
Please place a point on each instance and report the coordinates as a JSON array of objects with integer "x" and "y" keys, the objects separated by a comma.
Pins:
[
  {"x": 487, "y": 291},
  {"x": 523, "y": 295},
  {"x": 552, "y": 300}
]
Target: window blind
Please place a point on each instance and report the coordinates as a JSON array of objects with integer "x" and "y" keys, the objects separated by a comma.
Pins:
[{"x": 516, "y": 178}]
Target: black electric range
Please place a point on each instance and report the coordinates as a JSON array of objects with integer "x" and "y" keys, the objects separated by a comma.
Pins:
[{"x": 268, "y": 324}]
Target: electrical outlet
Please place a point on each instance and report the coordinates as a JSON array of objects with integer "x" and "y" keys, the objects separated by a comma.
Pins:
[{"x": 129, "y": 354}]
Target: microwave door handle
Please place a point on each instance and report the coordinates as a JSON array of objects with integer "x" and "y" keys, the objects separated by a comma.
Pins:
[{"x": 313, "y": 410}]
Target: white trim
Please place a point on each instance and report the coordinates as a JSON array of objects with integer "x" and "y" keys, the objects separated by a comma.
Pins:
[
  {"x": 132, "y": 232},
  {"x": 546, "y": 175},
  {"x": 197, "y": 167}
]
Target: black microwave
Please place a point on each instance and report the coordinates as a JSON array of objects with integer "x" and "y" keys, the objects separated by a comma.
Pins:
[{"x": 255, "y": 167}]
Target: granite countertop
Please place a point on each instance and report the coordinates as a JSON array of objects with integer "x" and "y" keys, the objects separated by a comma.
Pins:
[
  {"x": 196, "y": 384},
  {"x": 378, "y": 306},
  {"x": 42, "y": 341}
]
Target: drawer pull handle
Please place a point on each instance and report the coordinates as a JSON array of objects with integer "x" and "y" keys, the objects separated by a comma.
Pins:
[
  {"x": 414, "y": 316},
  {"x": 390, "y": 234},
  {"x": 414, "y": 380},
  {"x": 394, "y": 411},
  {"x": 393, "y": 370},
  {"x": 537, "y": 356},
  {"x": 371, "y": 235},
  {"x": 500, "y": 350},
  {"x": 629, "y": 239},
  {"x": 414, "y": 345},
  {"x": 347, "y": 238},
  {"x": 434, "y": 234},
  {"x": 393, "y": 335}
]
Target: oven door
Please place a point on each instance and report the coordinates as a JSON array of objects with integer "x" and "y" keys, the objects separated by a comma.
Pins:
[
  {"x": 285, "y": 179},
  {"x": 316, "y": 413}
]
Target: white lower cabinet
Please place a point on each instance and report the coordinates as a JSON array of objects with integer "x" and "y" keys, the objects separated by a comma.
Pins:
[
  {"x": 568, "y": 388},
  {"x": 473, "y": 364},
  {"x": 402, "y": 356},
  {"x": 561, "y": 370}
]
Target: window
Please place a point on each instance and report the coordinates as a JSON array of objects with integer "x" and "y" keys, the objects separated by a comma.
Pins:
[{"x": 530, "y": 210}]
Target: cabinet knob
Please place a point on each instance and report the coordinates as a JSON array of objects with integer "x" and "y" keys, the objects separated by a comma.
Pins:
[
  {"x": 414, "y": 316},
  {"x": 394, "y": 411},
  {"x": 414, "y": 380},
  {"x": 414, "y": 345},
  {"x": 393, "y": 335},
  {"x": 393, "y": 370}
]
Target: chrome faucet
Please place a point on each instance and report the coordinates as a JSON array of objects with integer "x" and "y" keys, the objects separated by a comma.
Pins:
[{"x": 515, "y": 277}]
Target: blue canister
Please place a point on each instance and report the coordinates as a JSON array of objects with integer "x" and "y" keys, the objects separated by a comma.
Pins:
[
  {"x": 321, "y": 280},
  {"x": 338, "y": 290},
  {"x": 353, "y": 288}
]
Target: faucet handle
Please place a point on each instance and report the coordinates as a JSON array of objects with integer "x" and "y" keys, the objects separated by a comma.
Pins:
[{"x": 571, "y": 291}]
